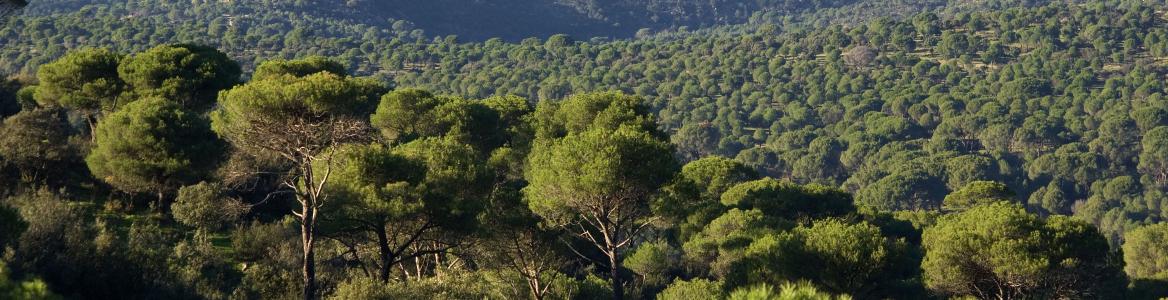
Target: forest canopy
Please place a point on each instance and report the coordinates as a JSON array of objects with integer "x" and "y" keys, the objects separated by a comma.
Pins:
[{"x": 1003, "y": 149}]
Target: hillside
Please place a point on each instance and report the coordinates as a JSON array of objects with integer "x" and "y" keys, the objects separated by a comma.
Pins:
[
  {"x": 517, "y": 19},
  {"x": 366, "y": 34},
  {"x": 475, "y": 20},
  {"x": 585, "y": 149}
]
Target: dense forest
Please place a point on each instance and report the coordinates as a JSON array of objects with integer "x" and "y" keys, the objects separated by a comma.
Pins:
[
  {"x": 385, "y": 37},
  {"x": 907, "y": 149}
]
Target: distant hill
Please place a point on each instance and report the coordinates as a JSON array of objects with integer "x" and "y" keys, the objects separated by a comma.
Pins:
[
  {"x": 517, "y": 19},
  {"x": 514, "y": 20},
  {"x": 366, "y": 33}
]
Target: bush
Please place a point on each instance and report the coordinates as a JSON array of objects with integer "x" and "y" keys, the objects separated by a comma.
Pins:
[
  {"x": 655, "y": 262},
  {"x": 204, "y": 206},
  {"x": 693, "y": 289},
  {"x": 789, "y": 291}
]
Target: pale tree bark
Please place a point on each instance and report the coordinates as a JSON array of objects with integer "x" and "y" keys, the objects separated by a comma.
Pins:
[
  {"x": 306, "y": 143},
  {"x": 619, "y": 221},
  {"x": 528, "y": 253}
]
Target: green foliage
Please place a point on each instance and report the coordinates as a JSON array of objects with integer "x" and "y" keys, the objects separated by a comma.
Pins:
[
  {"x": 860, "y": 249},
  {"x": 252, "y": 115},
  {"x": 596, "y": 163},
  {"x": 594, "y": 111},
  {"x": 204, "y": 206},
  {"x": 589, "y": 287},
  {"x": 85, "y": 80},
  {"x": 692, "y": 199},
  {"x": 375, "y": 183},
  {"x": 976, "y": 193},
  {"x": 655, "y": 262},
  {"x": 787, "y": 200},
  {"x": 695, "y": 141},
  {"x": 34, "y": 289},
  {"x": 78, "y": 253},
  {"x": 153, "y": 146},
  {"x": 298, "y": 68},
  {"x": 406, "y": 115},
  {"x": 692, "y": 289},
  {"x": 712, "y": 176},
  {"x": 203, "y": 270},
  {"x": 37, "y": 142},
  {"x": 842, "y": 257},
  {"x": 268, "y": 254},
  {"x": 964, "y": 170},
  {"x": 463, "y": 285},
  {"x": 1149, "y": 118},
  {"x": 1008, "y": 81},
  {"x": 1119, "y": 204},
  {"x": 454, "y": 180},
  {"x": 1145, "y": 252},
  {"x": 787, "y": 291},
  {"x": 966, "y": 253},
  {"x": 302, "y": 121},
  {"x": 916, "y": 114},
  {"x": 26, "y": 96},
  {"x": 905, "y": 190},
  {"x": 53, "y": 239},
  {"x": 188, "y": 74},
  {"x": 1154, "y": 156},
  {"x": 582, "y": 170},
  {"x": 723, "y": 241}
]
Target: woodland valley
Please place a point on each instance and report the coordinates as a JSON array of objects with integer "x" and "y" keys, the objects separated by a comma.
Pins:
[{"x": 584, "y": 149}]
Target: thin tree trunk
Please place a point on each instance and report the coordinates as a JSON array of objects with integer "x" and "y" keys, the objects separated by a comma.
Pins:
[
  {"x": 618, "y": 290},
  {"x": 161, "y": 205},
  {"x": 536, "y": 288},
  {"x": 386, "y": 253},
  {"x": 438, "y": 269},
  {"x": 417, "y": 264},
  {"x": 91, "y": 121},
  {"x": 308, "y": 230},
  {"x": 309, "y": 264}
]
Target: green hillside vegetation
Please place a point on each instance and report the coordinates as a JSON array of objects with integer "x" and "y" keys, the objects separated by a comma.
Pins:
[
  {"x": 1013, "y": 153},
  {"x": 1059, "y": 103},
  {"x": 390, "y": 36}
]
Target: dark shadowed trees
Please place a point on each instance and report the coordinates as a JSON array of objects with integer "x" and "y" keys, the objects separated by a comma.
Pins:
[{"x": 37, "y": 143}]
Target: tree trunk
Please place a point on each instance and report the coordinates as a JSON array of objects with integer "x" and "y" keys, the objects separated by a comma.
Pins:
[
  {"x": 536, "y": 288},
  {"x": 160, "y": 206},
  {"x": 91, "y": 121},
  {"x": 618, "y": 289},
  {"x": 386, "y": 253},
  {"x": 309, "y": 263}
]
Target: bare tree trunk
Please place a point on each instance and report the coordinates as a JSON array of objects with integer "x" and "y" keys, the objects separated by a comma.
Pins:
[
  {"x": 417, "y": 264},
  {"x": 405, "y": 272},
  {"x": 618, "y": 289},
  {"x": 161, "y": 206},
  {"x": 386, "y": 253},
  {"x": 438, "y": 270},
  {"x": 91, "y": 122},
  {"x": 309, "y": 263},
  {"x": 536, "y": 291},
  {"x": 308, "y": 205}
]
